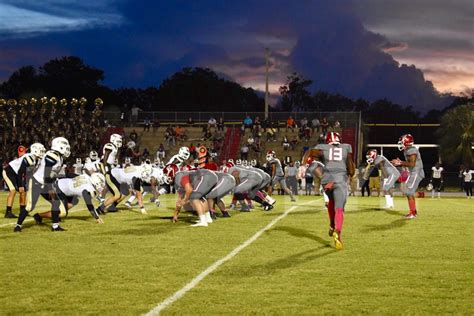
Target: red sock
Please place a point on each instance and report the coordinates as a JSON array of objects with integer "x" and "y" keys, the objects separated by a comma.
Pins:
[
  {"x": 412, "y": 206},
  {"x": 339, "y": 219},
  {"x": 331, "y": 212}
]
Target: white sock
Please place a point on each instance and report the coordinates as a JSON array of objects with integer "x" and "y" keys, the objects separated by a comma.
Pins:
[
  {"x": 55, "y": 225},
  {"x": 208, "y": 217},
  {"x": 131, "y": 199},
  {"x": 270, "y": 200},
  {"x": 202, "y": 218},
  {"x": 387, "y": 200},
  {"x": 391, "y": 201},
  {"x": 326, "y": 198}
]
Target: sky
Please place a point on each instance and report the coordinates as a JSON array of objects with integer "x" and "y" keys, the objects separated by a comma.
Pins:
[{"x": 406, "y": 51}]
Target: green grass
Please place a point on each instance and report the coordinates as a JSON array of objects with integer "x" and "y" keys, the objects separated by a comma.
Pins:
[{"x": 133, "y": 262}]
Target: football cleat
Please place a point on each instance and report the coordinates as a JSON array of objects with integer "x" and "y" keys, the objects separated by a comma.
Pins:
[
  {"x": 268, "y": 207},
  {"x": 331, "y": 231},
  {"x": 200, "y": 224},
  {"x": 112, "y": 209},
  {"x": 225, "y": 214},
  {"x": 10, "y": 215},
  {"x": 38, "y": 219},
  {"x": 337, "y": 240},
  {"x": 157, "y": 203},
  {"x": 231, "y": 206},
  {"x": 128, "y": 204},
  {"x": 245, "y": 208},
  {"x": 58, "y": 229},
  {"x": 410, "y": 215},
  {"x": 17, "y": 229},
  {"x": 213, "y": 215}
]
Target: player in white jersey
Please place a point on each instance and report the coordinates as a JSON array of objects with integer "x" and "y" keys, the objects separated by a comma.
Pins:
[
  {"x": 41, "y": 183},
  {"x": 69, "y": 190},
  {"x": 389, "y": 172},
  {"x": 277, "y": 174},
  {"x": 127, "y": 179},
  {"x": 151, "y": 186},
  {"x": 109, "y": 159},
  {"x": 78, "y": 167},
  {"x": 15, "y": 174},
  {"x": 180, "y": 158},
  {"x": 436, "y": 181}
]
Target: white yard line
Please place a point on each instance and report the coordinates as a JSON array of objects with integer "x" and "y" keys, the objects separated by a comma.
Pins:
[{"x": 188, "y": 287}]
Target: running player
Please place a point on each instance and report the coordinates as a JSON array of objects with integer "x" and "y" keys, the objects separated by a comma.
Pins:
[
  {"x": 415, "y": 167},
  {"x": 436, "y": 180},
  {"x": 277, "y": 174}
]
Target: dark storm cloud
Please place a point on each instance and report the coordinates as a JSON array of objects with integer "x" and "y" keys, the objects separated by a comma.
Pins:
[{"x": 146, "y": 41}]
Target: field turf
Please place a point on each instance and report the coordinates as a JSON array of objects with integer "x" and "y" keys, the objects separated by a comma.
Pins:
[{"x": 134, "y": 262}]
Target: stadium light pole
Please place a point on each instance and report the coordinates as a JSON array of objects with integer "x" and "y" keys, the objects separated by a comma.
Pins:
[{"x": 267, "y": 53}]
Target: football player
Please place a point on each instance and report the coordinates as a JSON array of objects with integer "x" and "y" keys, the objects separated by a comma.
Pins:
[
  {"x": 129, "y": 179},
  {"x": 415, "y": 167},
  {"x": 225, "y": 184},
  {"x": 436, "y": 180},
  {"x": 15, "y": 174},
  {"x": 339, "y": 166},
  {"x": 180, "y": 158},
  {"x": 78, "y": 167},
  {"x": 192, "y": 187},
  {"x": 41, "y": 183},
  {"x": 109, "y": 160},
  {"x": 390, "y": 174},
  {"x": 69, "y": 190},
  {"x": 277, "y": 174}
]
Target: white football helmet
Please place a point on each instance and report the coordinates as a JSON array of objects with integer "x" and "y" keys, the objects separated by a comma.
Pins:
[
  {"x": 253, "y": 162},
  {"x": 184, "y": 153},
  {"x": 87, "y": 160},
  {"x": 93, "y": 155},
  {"x": 116, "y": 139},
  {"x": 61, "y": 145},
  {"x": 146, "y": 172},
  {"x": 98, "y": 181},
  {"x": 38, "y": 150},
  {"x": 429, "y": 187},
  {"x": 270, "y": 155},
  {"x": 238, "y": 162}
]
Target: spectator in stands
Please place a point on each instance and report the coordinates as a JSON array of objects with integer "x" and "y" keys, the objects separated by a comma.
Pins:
[
  {"x": 250, "y": 141},
  {"x": 290, "y": 123},
  {"x": 136, "y": 155},
  {"x": 242, "y": 130},
  {"x": 207, "y": 135},
  {"x": 248, "y": 123},
  {"x": 244, "y": 152},
  {"x": 220, "y": 124},
  {"x": 146, "y": 153},
  {"x": 190, "y": 122},
  {"x": 135, "y": 109},
  {"x": 321, "y": 139},
  {"x": 156, "y": 126},
  {"x": 170, "y": 136},
  {"x": 294, "y": 142},
  {"x": 179, "y": 132},
  {"x": 271, "y": 134},
  {"x": 257, "y": 124},
  {"x": 161, "y": 153},
  {"x": 286, "y": 143},
  {"x": 315, "y": 125},
  {"x": 304, "y": 122},
  {"x": 324, "y": 126},
  {"x": 212, "y": 123},
  {"x": 146, "y": 124},
  {"x": 133, "y": 135}
]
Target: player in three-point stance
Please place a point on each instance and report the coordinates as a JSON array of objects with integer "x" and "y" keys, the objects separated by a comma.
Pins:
[
  {"x": 339, "y": 166},
  {"x": 415, "y": 166}
]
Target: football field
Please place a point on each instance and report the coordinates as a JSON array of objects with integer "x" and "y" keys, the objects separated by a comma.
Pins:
[{"x": 280, "y": 262}]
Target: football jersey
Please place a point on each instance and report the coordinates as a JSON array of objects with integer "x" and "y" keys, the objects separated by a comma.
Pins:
[
  {"x": 245, "y": 173},
  {"x": 78, "y": 168},
  {"x": 335, "y": 160},
  {"x": 16, "y": 164},
  {"x": 418, "y": 168},
  {"x": 388, "y": 168},
  {"x": 113, "y": 153},
  {"x": 177, "y": 160},
  {"x": 53, "y": 157},
  {"x": 437, "y": 172},
  {"x": 126, "y": 175},
  {"x": 278, "y": 168},
  {"x": 75, "y": 186},
  {"x": 93, "y": 166},
  {"x": 195, "y": 177},
  {"x": 158, "y": 174}
]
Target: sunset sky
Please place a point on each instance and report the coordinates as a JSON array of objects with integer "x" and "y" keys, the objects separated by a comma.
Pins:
[{"x": 356, "y": 48}]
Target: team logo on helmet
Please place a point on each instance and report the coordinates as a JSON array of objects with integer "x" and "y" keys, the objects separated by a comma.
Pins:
[
  {"x": 371, "y": 155},
  {"x": 116, "y": 139},
  {"x": 333, "y": 138},
  {"x": 405, "y": 141}
]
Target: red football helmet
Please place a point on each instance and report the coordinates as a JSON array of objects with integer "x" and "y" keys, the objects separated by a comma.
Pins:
[
  {"x": 187, "y": 168},
  {"x": 371, "y": 155},
  {"x": 333, "y": 138},
  {"x": 309, "y": 161},
  {"x": 405, "y": 141},
  {"x": 169, "y": 172},
  {"x": 270, "y": 155}
]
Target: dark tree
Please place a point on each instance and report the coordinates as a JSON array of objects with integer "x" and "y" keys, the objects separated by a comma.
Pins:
[
  {"x": 23, "y": 81},
  {"x": 295, "y": 95}
]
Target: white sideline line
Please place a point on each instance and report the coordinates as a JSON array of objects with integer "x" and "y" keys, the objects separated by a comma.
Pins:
[{"x": 180, "y": 293}]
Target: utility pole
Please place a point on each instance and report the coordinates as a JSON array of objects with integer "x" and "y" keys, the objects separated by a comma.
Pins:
[{"x": 267, "y": 65}]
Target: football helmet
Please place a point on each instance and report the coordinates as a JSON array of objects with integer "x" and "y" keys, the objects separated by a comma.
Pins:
[
  {"x": 429, "y": 187},
  {"x": 231, "y": 161},
  {"x": 187, "y": 168},
  {"x": 61, "y": 145},
  {"x": 78, "y": 160},
  {"x": 146, "y": 172},
  {"x": 127, "y": 160},
  {"x": 169, "y": 172},
  {"x": 253, "y": 162},
  {"x": 371, "y": 155},
  {"x": 116, "y": 139},
  {"x": 183, "y": 153},
  {"x": 98, "y": 181},
  {"x": 227, "y": 167},
  {"x": 270, "y": 155},
  {"x": 38, "y": 150},
  {"x": 309, "y": 161},
  {"x": 87, "y": 160},
  {"x": 333, "y": 138},
  {"x": 238, "y": 162},
  {"x": 245, "y": 163},
  {"x": 93, "y": 155},
  {"x": 405, "y": 141}
]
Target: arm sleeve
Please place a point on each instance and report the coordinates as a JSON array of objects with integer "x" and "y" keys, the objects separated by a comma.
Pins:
[
  {"x": 49, "y": 175},
  {"x": 22, "y": 173},
  {"x": 86, "y": 195}
]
